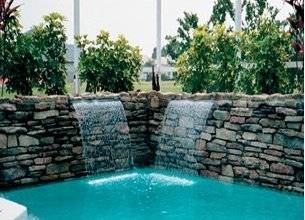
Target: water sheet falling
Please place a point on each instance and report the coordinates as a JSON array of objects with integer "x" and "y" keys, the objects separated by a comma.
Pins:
[
  {"x": 105, "y": 135},
  {"x": 182, "y": 135}
]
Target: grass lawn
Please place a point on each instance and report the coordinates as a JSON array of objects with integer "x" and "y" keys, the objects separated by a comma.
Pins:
[{"x": 166, "y": 86}]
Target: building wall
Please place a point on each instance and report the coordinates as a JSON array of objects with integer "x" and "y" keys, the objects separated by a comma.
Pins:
[{"x": 256, "y": 140}]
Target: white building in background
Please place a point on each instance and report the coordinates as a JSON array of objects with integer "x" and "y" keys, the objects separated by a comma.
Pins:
[{"x": 165, "y": 69}]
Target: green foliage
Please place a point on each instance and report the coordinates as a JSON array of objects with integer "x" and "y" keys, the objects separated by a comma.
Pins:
[
  {"x": 107, "y": 65},
  {"x": 180, "y": 43},
  {"x": 210, "y": 64},
  {"x": 266, "y": 49},
  {"x": 49, "y": 40},
  {"x": 22, "y": 77},
  {"x": 221, "y": 9},
  {"x": 35, "y": 60}
]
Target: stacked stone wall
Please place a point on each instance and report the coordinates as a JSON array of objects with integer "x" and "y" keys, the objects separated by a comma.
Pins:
[{"x": 255, "y": 140}]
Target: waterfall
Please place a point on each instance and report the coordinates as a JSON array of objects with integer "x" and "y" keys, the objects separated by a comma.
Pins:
[
  {"x": 105, "y": 135},
  {"x": 182, "y": 134}
]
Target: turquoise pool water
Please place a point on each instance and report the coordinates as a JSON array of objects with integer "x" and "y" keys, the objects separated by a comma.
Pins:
[{"x": 150, "y": 194}]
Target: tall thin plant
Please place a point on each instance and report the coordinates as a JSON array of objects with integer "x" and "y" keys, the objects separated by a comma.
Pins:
[{"x": 7, "y": 14}]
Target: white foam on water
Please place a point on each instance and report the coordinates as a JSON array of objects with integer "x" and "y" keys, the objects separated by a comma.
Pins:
[
  {"x": 171, "y": 180},
  {"x": 112, "y": 179}
]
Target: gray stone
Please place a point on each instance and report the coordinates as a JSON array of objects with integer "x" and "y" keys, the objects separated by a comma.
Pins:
[
  {"x": 216, "y": 148},
  {"x": 221, "y": 115},
  {"x": 226, "y": 134},
  {"x": 8, "y": 107},
  {"x": 232, "y": 126},
  {"x": 47, "y": 140},
  {"x": 26, "y": 141},
  {"x": 290, "y": 142},
  {"x": 13, "y": 173},
  {"x": 12, "y": 141},
  {"x": 294, "y": 118},
  {"x": 281, "y": 168},
  {"x": 270, "y": 157},
  {"x": 243, "y": 112},
  {"x": 251, "y": 127},
  {"x": 206, "y": 136},
  {"x": 286, "y": 111},
  {"x": 265, "y": 138},
  {"x": 249, "y": 136},
  {"x": 3, "y": 141},
  {"x": 57, "y": 168},
  {"x": 226, "y": 179},
  {"x": 227, "y": 170},
  {"x": 237, "y": 120},
  {"x": 13, "y": 130},
  {"x": 45, "y": 114}
]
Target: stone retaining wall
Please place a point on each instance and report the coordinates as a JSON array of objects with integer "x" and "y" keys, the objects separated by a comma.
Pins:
[{"x": 255, "y": 140}]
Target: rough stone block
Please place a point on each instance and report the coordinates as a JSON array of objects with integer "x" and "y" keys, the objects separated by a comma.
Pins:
[
  {"x": 251, "y": 127},
  {"x": 281, "y": 168},
  {"x": 237, "y": 120},
  {"x": 290, "y": 142},
  {"x": 45, "y": 114},
  {"x": 249, "y": 136},
  {"x": 57, "y": 168},
  {"x": 26, "y": 141},
  {"x": 13, "y": 173},
  {"x": 226, "y": 179},
  {"x": 227, "y": 170},
  {"x": 221, "y": 115},
  {"x": 243, "y": 112},
  {"x": 226, "y": 134},
  {"x": 232, "y": 126},
  {"x": 294, "y": 118},
  {"x": 3, "y": 141},
  {"x": 216, "y": 148},
  {"x": 206, "y": 136},
  {"x": 265, "y": 138}
]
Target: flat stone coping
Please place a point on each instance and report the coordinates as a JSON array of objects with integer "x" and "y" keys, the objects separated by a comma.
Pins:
[{"x": 12, "y": 211}]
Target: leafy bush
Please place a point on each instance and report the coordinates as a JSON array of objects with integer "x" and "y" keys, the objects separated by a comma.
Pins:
[
  {"x": 49, "y": 49},
  {"x": 107, "y": 65},
  {"x": 210, "y": 64},
  {"x": 265, "y": 53},
  {"x": 35, "y": 60}
]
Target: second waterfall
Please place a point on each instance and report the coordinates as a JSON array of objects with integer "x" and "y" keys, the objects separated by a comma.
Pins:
[{"x": 182, "y": 141}]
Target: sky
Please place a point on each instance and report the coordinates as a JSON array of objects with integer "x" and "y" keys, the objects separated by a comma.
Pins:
[{"x": 135, "y": 19}]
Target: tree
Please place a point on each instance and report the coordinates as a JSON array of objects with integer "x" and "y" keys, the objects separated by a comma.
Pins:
[
  {"x": 223, "y": 9},
  {"x": 265, "y": 53},
  {"x": 163, "y": 52},
  {"x": 180, "y": 43},
  {"x": 297, "y": 32},
  {"x": 7, "y": 16},
  {"x": 107, "y": 65},
  {"x": 210, "y": 65},
  {"x": 49, "y": 39}
]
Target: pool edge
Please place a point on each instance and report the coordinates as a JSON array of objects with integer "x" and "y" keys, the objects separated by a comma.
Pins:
[{"x": 12, "y": 211}]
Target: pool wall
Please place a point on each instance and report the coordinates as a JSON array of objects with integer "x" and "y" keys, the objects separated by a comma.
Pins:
[{"x": 255, "y": 140}]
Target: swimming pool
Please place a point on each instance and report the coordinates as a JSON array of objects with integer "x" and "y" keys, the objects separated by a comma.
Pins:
[{"x": 156, "y": 195}]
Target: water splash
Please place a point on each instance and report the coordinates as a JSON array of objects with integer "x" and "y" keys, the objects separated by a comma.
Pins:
[
  {"x": 182, "y": 130},
  {"x": 105, "y": 135}
]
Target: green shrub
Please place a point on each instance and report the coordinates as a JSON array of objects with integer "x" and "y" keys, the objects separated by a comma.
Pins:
[
  {"x": 107, "y": 65},
  {"x": 210, "y": 64},
  {"x": 265, "y": 53}
]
